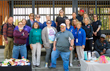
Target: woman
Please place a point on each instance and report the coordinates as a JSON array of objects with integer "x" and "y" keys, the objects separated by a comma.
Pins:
[
  {"x": 37, "y": 17},
  {"x": 79, "y": 42},
  {"x": 28, "y": 29},
  {"x": 48, "y": 18},
  {"x": 96, "y": 28},
  {"x": 48, "y": 36},
  {"x": 35, "y": 42},
  {"x": 89, "y": 32},
  {"x": 60, "y": 19},
  {"x": 85, "y": 16},
  {"x": 71, "y": 29}
]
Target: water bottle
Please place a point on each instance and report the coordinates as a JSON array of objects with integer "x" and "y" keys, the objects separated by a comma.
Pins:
[{"x": 89, "y": 55}]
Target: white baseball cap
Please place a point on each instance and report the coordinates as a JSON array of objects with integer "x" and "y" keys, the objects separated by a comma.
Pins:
[{"x": 63, "y": 24}]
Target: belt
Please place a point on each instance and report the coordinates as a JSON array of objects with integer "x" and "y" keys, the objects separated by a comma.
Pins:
[{"x": 18, "y": 44}]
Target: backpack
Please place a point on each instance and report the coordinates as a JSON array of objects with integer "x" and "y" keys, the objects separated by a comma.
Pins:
[{"x": 7, "y": 28}]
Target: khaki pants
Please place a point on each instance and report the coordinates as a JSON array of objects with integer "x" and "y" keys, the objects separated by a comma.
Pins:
[
  {"x": 8, "y": 48},
  {"x": 71, "y": 56},
  {"x": 80, "y": 52},
  {"x": 36, "y": 53}
]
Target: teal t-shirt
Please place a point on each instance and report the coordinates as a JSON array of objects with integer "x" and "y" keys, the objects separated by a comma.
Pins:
[{"x": 35, "y": 36}]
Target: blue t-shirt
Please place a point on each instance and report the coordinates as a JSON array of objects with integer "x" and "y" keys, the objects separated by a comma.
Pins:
[{"x": 53, "y": 24}]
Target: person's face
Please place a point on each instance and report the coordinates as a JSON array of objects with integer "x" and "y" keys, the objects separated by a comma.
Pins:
[
  {"x": 24, "y": 22},
  {"x": 35, "y": 25},
  {"x": 86, "y": 21},
  {"x": 67, "y": 22},
  {"x": 10, "y": 20},
  {"x": 85, "y": 16},
  {"x": 20, "y": 25},
  {"x": 48, "y": 17},
  {"x": 38, "y": 18},
  {"x": 74, "y": 15},
  {"x": 62, "y": 28},
  {"x": 95, "y": 17},
  {"x": 74, "y": 22},
  {"x": 61, "y": 12},
  {"x": 48, "y": 24},
  {"x": 81, "y": 13},
  {"x": 78, "y": 26},
  {"x": 102, "y": 39},
  {"x": 31, "y": 17}
]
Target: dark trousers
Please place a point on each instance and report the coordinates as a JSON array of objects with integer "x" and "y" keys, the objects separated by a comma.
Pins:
[
  {"x": 95, "y": 38},
  {"x": 88, "y": 46}
]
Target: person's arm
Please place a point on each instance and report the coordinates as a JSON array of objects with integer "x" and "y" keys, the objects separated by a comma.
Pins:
[
  {"x": 57, "y": 21},
  {"x": 99, "y": 27},
  {"x": 24, "y": 35},
  {"x": 16, "y": 34},
  {"x": 30, "y": 37},
  {"x": 72, "y": 40},
  {"x": 84, "y": 38},
  {"x": 107, "y": 45},
  {"x": 5, "y": 32},
  {"x": 43, "y": 36}
]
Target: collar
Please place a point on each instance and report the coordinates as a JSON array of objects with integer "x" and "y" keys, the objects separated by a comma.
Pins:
[{"x": 63, "y": 32}]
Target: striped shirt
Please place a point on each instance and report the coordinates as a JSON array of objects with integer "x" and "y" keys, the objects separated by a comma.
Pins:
[{"x": 8, "y": 32}]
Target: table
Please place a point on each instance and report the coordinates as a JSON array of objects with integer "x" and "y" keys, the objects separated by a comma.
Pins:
[
  {"x": 94, "y": 66},
  {"x": 16, "y": 68}
]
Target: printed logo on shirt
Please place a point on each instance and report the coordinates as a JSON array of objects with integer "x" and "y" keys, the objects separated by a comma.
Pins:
[
  {"x": 79, "y": 32},
  {"x": 71, "y": 30},
  {"x": 88, "y": 26},
  {"x": 25, "y": 28},
  {"x": 75, "y": 32},
  {"x": 104, "y": 43}
]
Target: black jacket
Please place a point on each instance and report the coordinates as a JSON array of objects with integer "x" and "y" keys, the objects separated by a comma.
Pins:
[
  {"x": 89, "y": 30},
  {"x": 100, "y": 46},
  {"x": 28, "y": 23}
]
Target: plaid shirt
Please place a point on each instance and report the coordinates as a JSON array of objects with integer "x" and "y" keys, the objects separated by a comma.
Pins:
[{"x": 8, "y": 32}]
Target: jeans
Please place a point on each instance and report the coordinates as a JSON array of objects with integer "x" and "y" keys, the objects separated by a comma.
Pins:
[
  {"x": 48, "y": 53},
  {"x": 20, "y": 49},
  {"x": 65, "y": 57}
]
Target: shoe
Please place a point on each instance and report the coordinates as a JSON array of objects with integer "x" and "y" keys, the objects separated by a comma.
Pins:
[
  {"x": 37, "y": 65},
  {"x": 50, "y": 67},
  {"x": 79, "y": 65},
  {"x": 71, "y": 65},
  {"x": 46, "y": 65},
  {"x": 34, "y": 66}
]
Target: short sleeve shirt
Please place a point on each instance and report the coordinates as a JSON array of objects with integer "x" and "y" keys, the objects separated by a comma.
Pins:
[{"x": 62, "y": 40}]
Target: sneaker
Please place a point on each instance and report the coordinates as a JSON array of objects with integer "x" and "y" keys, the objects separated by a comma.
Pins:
[
  {"x": 34, "y": 66},
  {"x": 46, "y": 65},
  {"x": 79, "y": 65},
  {"x": 71, "y": 65}
]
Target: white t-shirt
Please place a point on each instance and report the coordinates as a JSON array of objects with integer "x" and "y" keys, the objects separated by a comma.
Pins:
[{"x": 51, "y": 34}]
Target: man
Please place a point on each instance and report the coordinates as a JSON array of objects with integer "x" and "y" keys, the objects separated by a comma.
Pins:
[
  {"x": 80, "y": 16},
  {"x": 20, "y": 37},
  {"x": 8, "y": 29},
  {"x": 30, "y": 20},
  {"x": 74, "y": 17},
  {"x": 38, "y": 21},
  {"x": 28, "y": 29},
  {"x": 101, "y": 46},
  {"x": 63, "y": 44}
]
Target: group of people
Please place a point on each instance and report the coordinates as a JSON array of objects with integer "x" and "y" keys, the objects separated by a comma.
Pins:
[{"x": 59, "y": 38}]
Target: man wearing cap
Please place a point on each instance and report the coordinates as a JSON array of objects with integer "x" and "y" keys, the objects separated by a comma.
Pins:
[
  {"x": 80, "y": 16},
  {"x": 62, "y": 47},
  {"x": 101, "y": 46}
]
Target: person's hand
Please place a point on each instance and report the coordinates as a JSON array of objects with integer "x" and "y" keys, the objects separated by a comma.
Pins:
[
  {"x": 101, "y": 53},
  {"x": 86, "y": 38},
  {"x": 6, "y": 42},
  {"x": 104, "y": 50},
  {"x": 41, "y": 46},
  {"x": 74, "y": 46},
  {"x": 95, "y": 33},
  {"x": 83, "y": 46},
  {"x": 71, "y": 48},
  {"x": 31, "y": 47},
  {"x": 54, "y": 48}
]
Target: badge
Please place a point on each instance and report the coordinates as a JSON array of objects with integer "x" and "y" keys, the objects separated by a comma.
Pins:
[
  {"x": 77, "y": 40},
  {"x": 88, "y": 26},
  {"x": 79, "y": 32}
]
